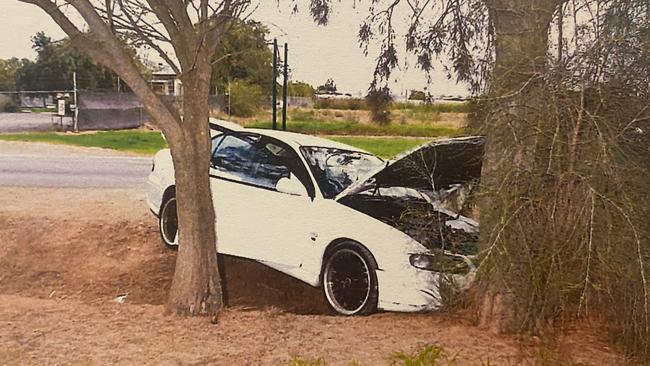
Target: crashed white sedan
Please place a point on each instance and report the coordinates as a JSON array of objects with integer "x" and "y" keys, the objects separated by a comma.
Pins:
[{"x": 372, "y": 234}]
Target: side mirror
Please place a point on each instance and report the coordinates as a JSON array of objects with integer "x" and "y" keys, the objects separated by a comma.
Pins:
[{"x": 291, "y": 186}]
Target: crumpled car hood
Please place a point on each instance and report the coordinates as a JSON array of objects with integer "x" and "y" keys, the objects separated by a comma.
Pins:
[{"x": 434, "y": 166}]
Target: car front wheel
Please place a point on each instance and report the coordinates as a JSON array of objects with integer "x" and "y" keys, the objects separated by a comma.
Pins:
[
  {"x": 168, "y": 222},
  {"x": 350, "y": 280}
]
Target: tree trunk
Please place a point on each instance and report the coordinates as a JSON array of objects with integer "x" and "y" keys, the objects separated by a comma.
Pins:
[
  {"x": 196, "y": 287},
  {"x": 513, "y": 107},
  {"x": 521, "y": 41}
]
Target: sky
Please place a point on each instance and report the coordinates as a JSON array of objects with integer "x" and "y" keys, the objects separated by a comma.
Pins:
[{"x": 316, "y": 53}]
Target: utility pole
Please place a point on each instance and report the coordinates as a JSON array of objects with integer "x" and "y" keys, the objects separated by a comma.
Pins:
[
  {"x": 284, "y": 87},
  {"x": 76, "y": 103},
  {"x": 275, "y": 86}
]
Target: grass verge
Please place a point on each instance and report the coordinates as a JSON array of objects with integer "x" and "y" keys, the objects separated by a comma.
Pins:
[
  {"x": 40, "y": 110},
  {"x": 148, "y": 142},
  {"x": 363, "y": 129},
  {"x": 140, "y": 142}
]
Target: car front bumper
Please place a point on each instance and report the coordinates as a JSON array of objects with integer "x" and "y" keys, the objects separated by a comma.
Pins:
[{"x": 413, "y": 290}]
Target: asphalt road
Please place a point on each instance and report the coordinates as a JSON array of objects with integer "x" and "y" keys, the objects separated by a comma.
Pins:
[
  {"x": 31, "y": 122},
  {"x": 47, "y": 165}
]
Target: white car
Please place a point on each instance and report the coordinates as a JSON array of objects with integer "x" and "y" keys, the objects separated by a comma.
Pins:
[{"x": 335, "y": 216}]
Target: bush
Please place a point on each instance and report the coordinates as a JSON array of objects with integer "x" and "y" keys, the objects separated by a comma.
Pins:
[
  {"x": 429, "y": 356},
  {"x": 10, "y": 107},
  {"x": 378, "y": 101},
  {"x": 245, "y": 99},
  {"x": 300, "y": 89},
  {"x": 417, "y": 95}
]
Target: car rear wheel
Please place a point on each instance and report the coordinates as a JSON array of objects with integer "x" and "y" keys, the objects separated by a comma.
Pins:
[
  {"x": 168, "y": 222},
  {"x": 350, "y": 280}
]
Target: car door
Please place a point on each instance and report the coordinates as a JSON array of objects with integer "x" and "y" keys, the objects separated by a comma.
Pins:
[{"x": 254, "y": 219}]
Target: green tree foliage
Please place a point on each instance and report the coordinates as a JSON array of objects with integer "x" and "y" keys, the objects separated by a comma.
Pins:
[
  {"x": 328, "y": 88},
  {"x": 8, "y": 70},
  {"x": 300, "y": 89},
  {"x": 243, "y": 67},
  {"x": 54, "y": 67},
  {"x": 417, "y": 95},
  {"x": 243, "y": 56},
  {"x": 245, "y": 98}
]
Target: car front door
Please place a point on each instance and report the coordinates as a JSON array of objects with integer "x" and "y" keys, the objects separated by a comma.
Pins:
[{"x": 256, "y": 217}]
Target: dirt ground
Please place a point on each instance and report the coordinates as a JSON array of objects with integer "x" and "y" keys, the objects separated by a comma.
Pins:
[{"x": 66, "y": 255}]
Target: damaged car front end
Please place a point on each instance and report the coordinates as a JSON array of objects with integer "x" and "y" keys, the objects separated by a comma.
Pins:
[{"x": 423, "y": 194}]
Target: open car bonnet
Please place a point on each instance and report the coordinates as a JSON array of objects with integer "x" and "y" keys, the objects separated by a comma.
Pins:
[{"x": 434, "y": 166}]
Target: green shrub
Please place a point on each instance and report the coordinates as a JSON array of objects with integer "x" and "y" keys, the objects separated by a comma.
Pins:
[
  {"x": 429, "y": 356},
  {"x": 378, "y": 101},
  {"x": 10, "y": 107},
  {"x": 300, "y": 89},
  {"x": 417, "y": 95},
  {"x": 245, "y": 99}
]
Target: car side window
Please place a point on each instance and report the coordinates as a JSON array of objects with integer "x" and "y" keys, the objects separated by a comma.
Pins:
[
  {"x": 215, "y": 142},
  {"x": 249, "y": 161},
  {"x": 272, "y": 165}
]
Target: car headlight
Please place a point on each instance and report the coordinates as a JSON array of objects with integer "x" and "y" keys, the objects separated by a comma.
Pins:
[{"x": 441, "y": 262}]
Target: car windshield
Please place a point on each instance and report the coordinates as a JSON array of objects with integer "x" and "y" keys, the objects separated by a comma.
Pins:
[{"x": 336, "y": 169}]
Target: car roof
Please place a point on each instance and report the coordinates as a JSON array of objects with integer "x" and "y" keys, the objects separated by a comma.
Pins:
[{"x": 292, "y": 138}]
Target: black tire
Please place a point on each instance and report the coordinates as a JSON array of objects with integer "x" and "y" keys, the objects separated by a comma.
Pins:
[
  {"x": 349, "y": 280},
  {"x": 168, "y": 221}
]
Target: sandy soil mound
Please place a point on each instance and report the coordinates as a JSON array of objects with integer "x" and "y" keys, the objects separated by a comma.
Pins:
[
  {"x": 90, "y": 261},
  {"x": 95, "y": 261}
]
